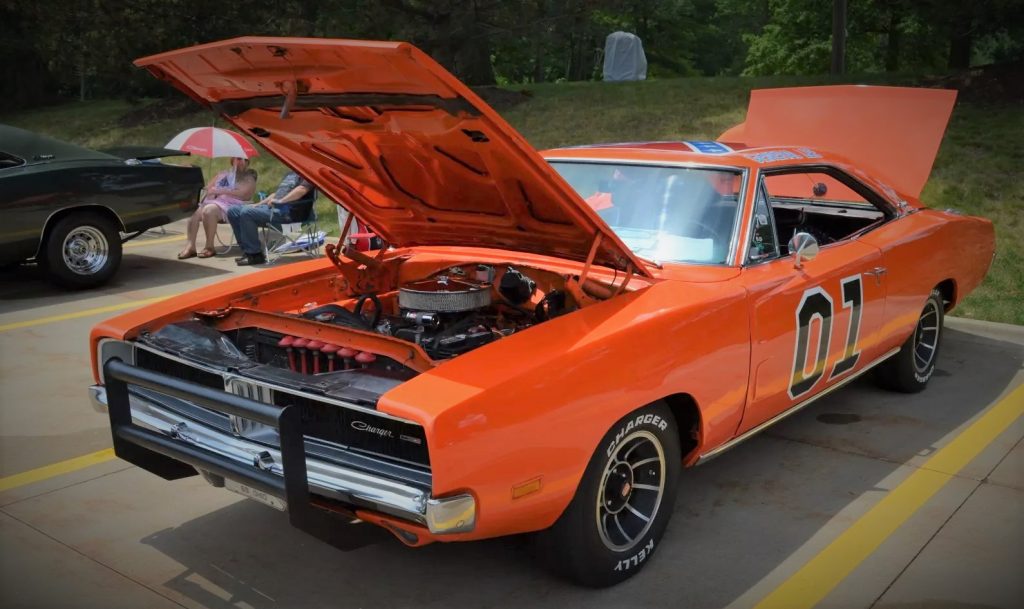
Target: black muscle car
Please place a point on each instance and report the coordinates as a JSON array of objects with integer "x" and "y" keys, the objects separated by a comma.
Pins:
[{"x": 70, "y": 208}]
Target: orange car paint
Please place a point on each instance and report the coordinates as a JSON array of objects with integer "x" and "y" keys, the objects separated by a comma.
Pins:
[
  {"x": 892, "y": 132},
  {"x": 417, "y": 176},
  {"x": 535, "y": 404}
]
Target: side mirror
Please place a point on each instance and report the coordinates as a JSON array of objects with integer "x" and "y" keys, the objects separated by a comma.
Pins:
[{"x": 803, "y": 246}]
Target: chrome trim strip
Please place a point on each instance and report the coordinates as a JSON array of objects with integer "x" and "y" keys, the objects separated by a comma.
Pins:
[
  {"x": 745, "y": 247},
  {"x": 737, "y": 234},
  {"x": 98, "y": 398},
  {"x": 659, "y": 163},
  {"x": 327, "y": 479},
  {"x": 791, "y": 410},
  {"x": 762, "y": 172}
]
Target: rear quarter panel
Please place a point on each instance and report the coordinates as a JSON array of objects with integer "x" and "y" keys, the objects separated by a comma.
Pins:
[
  {"x": 920, "y": 251},
  {"x": 143, "y": 196},
  {"x": 536, "y": 404}
]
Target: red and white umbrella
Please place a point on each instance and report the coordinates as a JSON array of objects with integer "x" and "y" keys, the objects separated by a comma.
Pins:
[{"x": 212, "y": 142}]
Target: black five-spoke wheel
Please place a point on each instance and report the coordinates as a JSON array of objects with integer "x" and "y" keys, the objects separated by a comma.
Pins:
[
  {"x": 910, "y": 369},
  {"x": 623, "y": 503},
  {"x": 632, "y": 487}
]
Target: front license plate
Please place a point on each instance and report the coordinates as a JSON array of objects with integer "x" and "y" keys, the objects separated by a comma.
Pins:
[{"x": 258, "y": 495}]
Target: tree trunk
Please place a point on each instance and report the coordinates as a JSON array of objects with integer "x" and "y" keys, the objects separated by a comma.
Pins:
[
  {"x": 539, "y": 38},
  {"x": 473, "y": 60},
  {"x": 577, "y": 44},
  {"x": 838, "y": 37},
  {"x": 81, "y": 78},
  {"x": 892, "y": 45},
  {"x": 961, "y": 38}
]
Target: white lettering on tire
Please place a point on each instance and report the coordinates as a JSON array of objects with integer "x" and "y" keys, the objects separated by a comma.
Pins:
[
  {"x": 635, "y": 560},
  {"x": 643, "y": 419}
]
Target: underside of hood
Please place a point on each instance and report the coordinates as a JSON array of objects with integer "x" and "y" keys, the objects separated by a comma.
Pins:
[{"x": 385, "y": 131}]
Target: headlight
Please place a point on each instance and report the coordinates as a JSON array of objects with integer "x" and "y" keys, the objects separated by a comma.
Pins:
[{"x": 110, "y": 348}]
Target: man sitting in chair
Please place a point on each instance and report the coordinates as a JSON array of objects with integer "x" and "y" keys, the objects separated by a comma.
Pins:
[{"x": 291, "y": 202}]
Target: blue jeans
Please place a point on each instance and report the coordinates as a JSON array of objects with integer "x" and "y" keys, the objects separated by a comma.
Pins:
[{"x": 245, "y": 221}]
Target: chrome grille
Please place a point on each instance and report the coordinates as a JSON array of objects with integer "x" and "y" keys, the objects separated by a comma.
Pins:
[
  {"x": 335, "y": 439},
  {"x": 247, "y": 389}
]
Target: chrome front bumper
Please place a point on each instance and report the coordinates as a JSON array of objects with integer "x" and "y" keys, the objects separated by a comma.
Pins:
[{"x": 351, "y": 487}]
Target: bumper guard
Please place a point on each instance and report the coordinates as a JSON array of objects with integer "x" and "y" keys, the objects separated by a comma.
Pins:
[{"x": 171, "y": 458}]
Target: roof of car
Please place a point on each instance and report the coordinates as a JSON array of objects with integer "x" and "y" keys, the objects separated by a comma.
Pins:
[
  {"x": 29, "y": 144},
  {"x": 700, "y": 152}
]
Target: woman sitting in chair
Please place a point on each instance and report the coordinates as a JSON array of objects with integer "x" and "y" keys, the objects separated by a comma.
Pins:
[
  {"x": 291, "y": 202},
  {"x": 228, "y": 189}
]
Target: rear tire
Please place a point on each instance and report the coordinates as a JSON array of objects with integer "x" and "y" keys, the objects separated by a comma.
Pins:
[
  {"x": 910, "y": 369},
  {"x": 622, "y": 505},
  {"x": 82, "y": 250}
]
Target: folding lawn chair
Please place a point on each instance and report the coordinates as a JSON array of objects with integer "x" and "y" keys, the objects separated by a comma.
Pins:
[{"x": 285, "y": 238}]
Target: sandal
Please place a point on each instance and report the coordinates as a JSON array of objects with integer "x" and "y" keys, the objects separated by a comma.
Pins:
[
  {"x": 186, "y": 255},
  {"x": 206, "y": 253}
]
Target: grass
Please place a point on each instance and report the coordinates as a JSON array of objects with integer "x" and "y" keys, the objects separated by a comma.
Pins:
[{"x": 978, "y": 170}]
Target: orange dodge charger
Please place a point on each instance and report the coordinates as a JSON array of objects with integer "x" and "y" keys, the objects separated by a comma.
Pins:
[{"x": 544, "y": 340}]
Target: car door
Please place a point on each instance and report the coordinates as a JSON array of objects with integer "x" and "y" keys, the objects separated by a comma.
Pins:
[
  {"x": 812, "y": 326},
  {"x": 20, "y": 233}
]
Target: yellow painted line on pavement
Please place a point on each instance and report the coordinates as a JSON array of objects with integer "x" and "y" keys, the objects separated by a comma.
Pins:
[
  {"x": 56, "y": 469},
  {"x": 39, "y": 321},
  {"x": 145, "y": 242},
  {"x": 814, "y": 581}
]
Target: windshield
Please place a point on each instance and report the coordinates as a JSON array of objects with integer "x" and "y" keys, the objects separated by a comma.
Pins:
[{"x": 666, "y": 214}]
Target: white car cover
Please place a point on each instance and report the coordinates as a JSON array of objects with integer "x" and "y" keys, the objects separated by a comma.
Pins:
[{"x": 624, "y": 57}]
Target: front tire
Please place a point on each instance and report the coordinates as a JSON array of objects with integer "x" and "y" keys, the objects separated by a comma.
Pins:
[
  {"x": 910, "y": 369},
  {"x": 622, "y": 505},
  {"x": 83, "y": 250}
]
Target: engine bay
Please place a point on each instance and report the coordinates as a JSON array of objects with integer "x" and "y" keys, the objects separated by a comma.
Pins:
[
  {"x": 450, "y": 312},
  {"x": 387, "y": 335}
]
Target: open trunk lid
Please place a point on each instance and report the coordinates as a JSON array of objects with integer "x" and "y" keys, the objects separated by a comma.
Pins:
[
  {"x": 891, "y": 132},
  {"x": 387, "y": 132}
]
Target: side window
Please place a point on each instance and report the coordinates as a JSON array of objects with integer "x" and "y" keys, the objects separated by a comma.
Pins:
[
  {"x": 764, "y": 244},
  {"x": 7, "y": 161},
  {"x": 820, "y": 204}
]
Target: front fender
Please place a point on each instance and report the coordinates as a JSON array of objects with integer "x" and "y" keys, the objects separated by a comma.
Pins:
[{"x": 536, "y": 404}]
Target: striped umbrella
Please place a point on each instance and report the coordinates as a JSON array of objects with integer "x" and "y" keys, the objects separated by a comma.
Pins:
[{"x": 212, "y": 142}]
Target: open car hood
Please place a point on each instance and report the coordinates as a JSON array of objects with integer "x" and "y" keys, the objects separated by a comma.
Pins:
[
  {"x": 384, "y": 130},
  {"x": 893, "y": 133}
]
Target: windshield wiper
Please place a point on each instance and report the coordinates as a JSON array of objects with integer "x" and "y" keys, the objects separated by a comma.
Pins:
[{"x": 656, "y": 265}]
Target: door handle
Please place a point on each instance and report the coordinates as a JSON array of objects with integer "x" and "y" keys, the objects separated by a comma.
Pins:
[{"x": 878, "y": 272}]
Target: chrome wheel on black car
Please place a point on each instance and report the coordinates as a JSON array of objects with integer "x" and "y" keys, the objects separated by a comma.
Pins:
[
  {"x": 82, "y": 250},
  {"x": 85, "y": 250},
  {"x": 623, "y": 503}
]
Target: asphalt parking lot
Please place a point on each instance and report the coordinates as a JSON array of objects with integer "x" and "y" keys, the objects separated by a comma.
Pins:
[{"x": 865, "y": 499}]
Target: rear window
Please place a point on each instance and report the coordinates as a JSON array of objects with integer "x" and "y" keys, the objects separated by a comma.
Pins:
[{"x": 9, "y": 160}]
